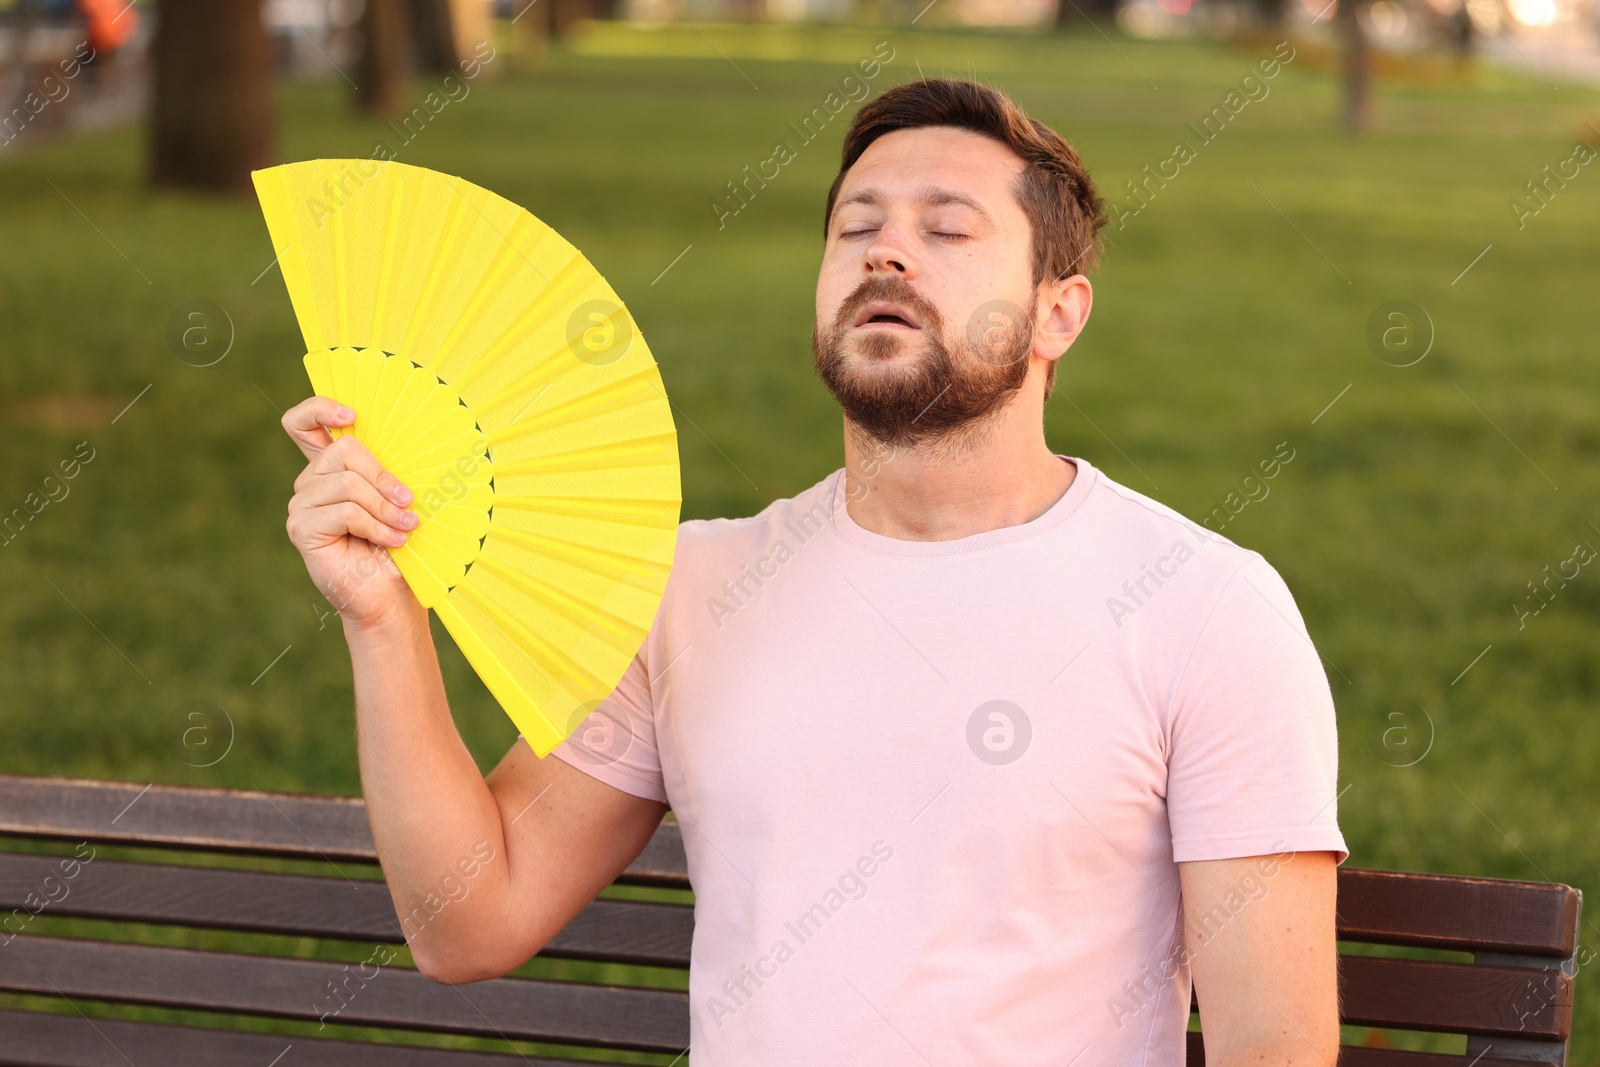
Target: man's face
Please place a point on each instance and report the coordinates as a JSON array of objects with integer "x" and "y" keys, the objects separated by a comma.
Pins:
[{"x": 925, "y": 299}]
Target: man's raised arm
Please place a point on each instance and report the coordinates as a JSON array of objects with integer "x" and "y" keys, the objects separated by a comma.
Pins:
[{"x": 483, "y": 871}]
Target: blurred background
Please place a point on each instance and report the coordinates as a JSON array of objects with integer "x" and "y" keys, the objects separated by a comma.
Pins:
[{"x": 1360, "y": 234}]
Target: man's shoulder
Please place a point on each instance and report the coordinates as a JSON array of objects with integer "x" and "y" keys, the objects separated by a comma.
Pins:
[
  {"x": 1193, "y": 579},
  {"x": 716, "y": 540},
  {"x": 1126, "y": 517},
  {"x": 1152, "y": 550}
]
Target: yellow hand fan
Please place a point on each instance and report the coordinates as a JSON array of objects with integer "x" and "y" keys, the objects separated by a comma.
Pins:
[{"x": 494, "y": 372}]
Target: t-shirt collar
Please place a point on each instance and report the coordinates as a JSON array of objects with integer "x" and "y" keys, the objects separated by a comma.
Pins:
[{"x": 854, "y": 534}]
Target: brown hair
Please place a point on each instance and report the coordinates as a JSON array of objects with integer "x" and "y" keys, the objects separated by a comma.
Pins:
[{"x": 1064, "y": 210}]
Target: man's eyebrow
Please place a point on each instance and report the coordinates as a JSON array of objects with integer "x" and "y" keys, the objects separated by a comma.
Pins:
[{"x": 927, "y": 196}]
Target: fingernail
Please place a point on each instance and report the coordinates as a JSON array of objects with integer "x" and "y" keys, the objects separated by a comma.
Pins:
[
  {"x": 344, "y": 412},
  {"x": 409, "y": 520},
  {"x": 400, "y": 537},
  {"x": 402, "y": 495}
]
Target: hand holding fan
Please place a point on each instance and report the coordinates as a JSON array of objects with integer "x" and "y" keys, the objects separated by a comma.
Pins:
[{"x": 494, "y": 372}]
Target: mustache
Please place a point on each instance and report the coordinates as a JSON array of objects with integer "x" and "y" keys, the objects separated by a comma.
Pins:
[{"x": 892, "y": 288}]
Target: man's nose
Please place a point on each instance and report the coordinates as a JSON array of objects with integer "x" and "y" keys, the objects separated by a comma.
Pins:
[{"x": 889, "y": 253}]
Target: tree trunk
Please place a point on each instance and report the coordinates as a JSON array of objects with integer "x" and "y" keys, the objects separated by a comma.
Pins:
[
  {"x": 1272, "y": 13},
  {"x": 1462, "y": 34},
  {"x": 384, "y": 72},
  {"x": 1357, "y": 68},
  {"x": 565, "y": 13},
  {"x": 1076, "y": 12},
  {"x": 212, "y": 109},
  {"x": 437, "y": 50},
  {"x": 530, "y": 34}
]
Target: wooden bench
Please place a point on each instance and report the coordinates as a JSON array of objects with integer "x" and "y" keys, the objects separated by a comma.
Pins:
[{"x": 1513, "y": 1001}]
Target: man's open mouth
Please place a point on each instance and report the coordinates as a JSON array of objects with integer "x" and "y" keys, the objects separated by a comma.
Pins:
[{"x": 879, "y": 314}]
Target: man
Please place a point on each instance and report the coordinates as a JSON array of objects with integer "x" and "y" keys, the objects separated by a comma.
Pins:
[{"x": 981, "y": 757}]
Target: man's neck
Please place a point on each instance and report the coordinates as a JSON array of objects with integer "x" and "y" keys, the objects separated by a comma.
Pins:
[{"x": 1003, "y": 474}]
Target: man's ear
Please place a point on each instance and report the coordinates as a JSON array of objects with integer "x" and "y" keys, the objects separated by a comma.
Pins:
[{"x": 1063, "y": 312}]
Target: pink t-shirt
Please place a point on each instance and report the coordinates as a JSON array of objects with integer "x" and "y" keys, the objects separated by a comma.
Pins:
[{"x": 933, "y": 793}]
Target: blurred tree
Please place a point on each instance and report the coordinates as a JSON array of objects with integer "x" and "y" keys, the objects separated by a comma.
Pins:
[
  {"x": 1461, "y": 31},
  {"x": 534, "y": 22},
  {"x": 437, "y": 50},
  {"x": 1357, "y": 65},
  {"x": 1074, "y": 12},
  {"x": 1272, "y": 12},
  {"x": 212, "y": 116},
  {"x": 448, "y": 34},
  {"x": 383, "y": 73},
  {"x": 15, "y": 66},
  {"x": 564, "y": 13},
  {"x": 530, "y": 35}
]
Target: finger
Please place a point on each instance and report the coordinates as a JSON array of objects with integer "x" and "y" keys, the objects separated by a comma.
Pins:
[
  {"x": 347, "y": 453},
  {"x": 342, "y": 485},
  {"x": 313, "y": 528},
  {"x": 305, "y": 423}
]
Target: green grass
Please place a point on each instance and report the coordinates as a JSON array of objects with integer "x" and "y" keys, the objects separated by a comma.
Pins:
[{"x": 1414, "y": 511}]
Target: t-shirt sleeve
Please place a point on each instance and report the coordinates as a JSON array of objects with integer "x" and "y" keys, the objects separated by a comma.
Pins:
[
  {"x": 617, "y": 742},
  {"x": 1253, "y": 757}
]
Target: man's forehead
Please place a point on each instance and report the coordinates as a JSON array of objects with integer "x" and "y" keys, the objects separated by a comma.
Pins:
[
  {"x": 977, "y": 173},
  {"x": 927, "y": 194}
]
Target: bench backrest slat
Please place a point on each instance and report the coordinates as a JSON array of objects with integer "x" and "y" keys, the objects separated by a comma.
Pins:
[
  {"x": 1361, "y": 1056},
  {"x": 53, "y": 1039},
  {"x": 292, "y": 825},
  {"x": 1469, "y": 914},
  {"x": 367, "y": 994},
  {"x": 613, "y": 931},
  {"x": 1456, "y": 998},
  {"x": 286, "y": 825}
]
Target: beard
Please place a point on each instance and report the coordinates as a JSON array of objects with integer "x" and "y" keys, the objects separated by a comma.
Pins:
[{"x": 941, "y": 393}]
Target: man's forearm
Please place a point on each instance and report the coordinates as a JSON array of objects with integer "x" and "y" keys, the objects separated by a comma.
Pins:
[
  {"x": 433, "y": 817},
  {"x": 1284, "y": 1050}
]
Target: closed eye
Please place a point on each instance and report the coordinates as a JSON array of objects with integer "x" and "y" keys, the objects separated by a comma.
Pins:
[{"x": 935, "y": 233}]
